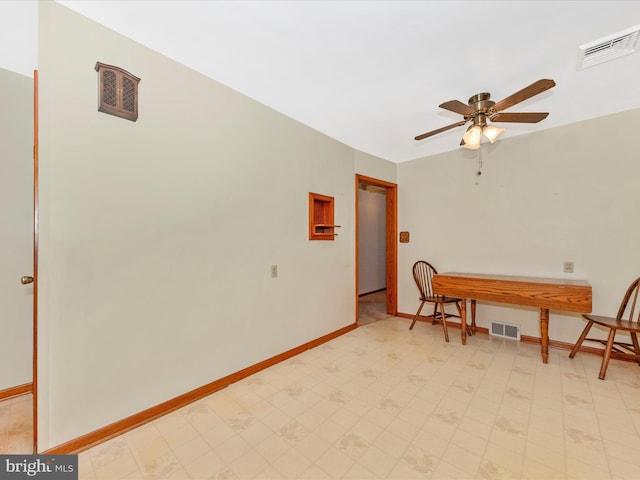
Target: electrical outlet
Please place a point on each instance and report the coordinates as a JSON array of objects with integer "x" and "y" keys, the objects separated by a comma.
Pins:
[
  {"x": 274, "y": 271},
  {"x": 567, "y": 267}
]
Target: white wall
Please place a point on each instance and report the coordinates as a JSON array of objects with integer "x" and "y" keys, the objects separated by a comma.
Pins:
[
  {"x": 16, "y": 235},
  {"x": 372, "y": 253},
  {"x": 562, "y": 194},
  {"x": 157, "y": 236}
]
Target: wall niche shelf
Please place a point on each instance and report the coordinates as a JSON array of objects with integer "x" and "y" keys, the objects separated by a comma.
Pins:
[{"x": 321, "y": 226}]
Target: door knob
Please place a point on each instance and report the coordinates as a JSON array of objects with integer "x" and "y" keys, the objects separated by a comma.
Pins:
[{"x": 26, "y": 280}]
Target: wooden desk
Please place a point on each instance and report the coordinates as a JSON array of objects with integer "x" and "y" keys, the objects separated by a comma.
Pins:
[{"x": 544, "y": 293}]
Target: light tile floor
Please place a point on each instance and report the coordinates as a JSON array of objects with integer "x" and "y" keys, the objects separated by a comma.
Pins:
[
  {"x": 372, "y": 307},
  {"x": 16, "y": 425},
  {"x": 384, "y": 402}
]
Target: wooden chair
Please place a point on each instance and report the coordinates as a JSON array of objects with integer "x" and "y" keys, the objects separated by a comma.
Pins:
[
  {"x": 623, "y": 321},
  {"x": 423, "y": 273}
]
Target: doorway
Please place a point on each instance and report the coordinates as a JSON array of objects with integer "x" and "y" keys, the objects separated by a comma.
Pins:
[
  {"x": 17, "y": 295},
  {"x": 376, "y": 249}
]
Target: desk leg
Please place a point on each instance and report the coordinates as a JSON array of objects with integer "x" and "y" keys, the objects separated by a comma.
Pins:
[
  {"x": 544, "y": 333},
  {"x": 473, "y": 316},
  {"x": 463, "y": 320}
]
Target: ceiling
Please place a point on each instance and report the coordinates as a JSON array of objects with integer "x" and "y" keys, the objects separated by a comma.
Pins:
[{"x": 371, "y": 74}]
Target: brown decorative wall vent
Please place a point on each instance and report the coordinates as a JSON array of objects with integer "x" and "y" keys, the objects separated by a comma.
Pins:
[{"x": 118, "y": 92}]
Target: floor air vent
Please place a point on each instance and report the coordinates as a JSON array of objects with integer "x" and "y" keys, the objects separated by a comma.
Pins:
[{"x": 505, "y": 330}]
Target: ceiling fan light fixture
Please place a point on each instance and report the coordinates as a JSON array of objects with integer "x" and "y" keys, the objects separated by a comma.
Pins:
[
  {"x": 480, "y": 109},
  {"x": 472, "y": 137},
  {"x": 492, "y": 132}
]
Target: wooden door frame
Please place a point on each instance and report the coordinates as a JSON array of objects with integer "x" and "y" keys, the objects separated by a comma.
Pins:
[
  {"x": 391, "y": 240},
  {"x": 34, "y": 380}
]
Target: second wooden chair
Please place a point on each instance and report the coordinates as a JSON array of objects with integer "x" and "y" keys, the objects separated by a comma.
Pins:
[{"x": 625, "y": 321}]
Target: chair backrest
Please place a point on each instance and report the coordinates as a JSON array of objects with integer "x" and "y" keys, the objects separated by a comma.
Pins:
[
  {"x": 423, "y": 273},
  {"x": 628, "y": 304}
]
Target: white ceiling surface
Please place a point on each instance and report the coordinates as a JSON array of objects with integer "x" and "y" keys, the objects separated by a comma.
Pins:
[
  {"x": 19, "y": 36},
  {"x": 371, "y": 74}
]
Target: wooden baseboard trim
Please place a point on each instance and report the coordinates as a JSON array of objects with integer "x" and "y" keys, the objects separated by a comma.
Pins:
[
  {"x": 583, "y": 348},
  {"x": 529, "y": 339},
  {"x": 108, "y": 432},
  {"x": 422, "y": 318},
  {"x": 372, "y": 292},
  {"x": 16, "y": 391}
]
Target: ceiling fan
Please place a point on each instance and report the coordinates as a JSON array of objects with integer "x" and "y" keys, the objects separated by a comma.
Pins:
[{"x": 481, "y": 110}]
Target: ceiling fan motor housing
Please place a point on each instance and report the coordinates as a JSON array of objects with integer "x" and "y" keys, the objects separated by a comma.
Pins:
[{"x": 481, "y": 103}]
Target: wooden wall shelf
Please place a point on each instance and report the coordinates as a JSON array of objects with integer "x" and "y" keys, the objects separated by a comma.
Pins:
[{"x": 321, "y": 209}]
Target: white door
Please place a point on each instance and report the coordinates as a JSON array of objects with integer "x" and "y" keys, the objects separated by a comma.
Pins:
[{"x": 16, "y": 230}]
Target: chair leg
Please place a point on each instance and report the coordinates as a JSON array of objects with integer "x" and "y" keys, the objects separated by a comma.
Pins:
[
  {"x": 607, "y": 354},
  {"x": 444, "y": 322},
  {"x": 434, "y": 317},
  {"x": 636, "y": 346},
  {"x": 417, "y": 314},
  {"x": 583, "y": 335}
]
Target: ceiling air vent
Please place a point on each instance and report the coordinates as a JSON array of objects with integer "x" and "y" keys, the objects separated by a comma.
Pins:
[{"x": 608, "y": 48}]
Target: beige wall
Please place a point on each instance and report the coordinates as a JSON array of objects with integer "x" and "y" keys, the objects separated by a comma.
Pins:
[
  {"x": 375, "y": 167},
  {"x": 158, "y": 236},
  {"x": 563, "y": 194},
  {"x": 16, "y": 237}
]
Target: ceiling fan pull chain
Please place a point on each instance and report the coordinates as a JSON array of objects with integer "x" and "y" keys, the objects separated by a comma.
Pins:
[{"x": 479, "y": 171}]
